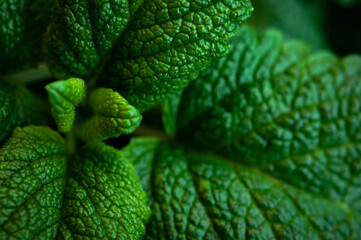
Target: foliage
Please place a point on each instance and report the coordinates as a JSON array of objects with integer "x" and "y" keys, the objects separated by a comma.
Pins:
[{"x": 247, "y": 132}]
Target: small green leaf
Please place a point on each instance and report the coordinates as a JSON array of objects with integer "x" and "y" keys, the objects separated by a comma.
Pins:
[
  {"x": 103, "y": 197},
  {"x": 113, "y": 116},
  {"x": 271, "y": 140},
  {"x": 32, "y": 178},
  {"x": 64, "y": 96},
  {"x": 18, "y": 107},
  {"x": 195, "y": 195}
]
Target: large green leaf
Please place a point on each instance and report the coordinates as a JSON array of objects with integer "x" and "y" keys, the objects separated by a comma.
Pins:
[
  {"x": 18, "y": 107},
  {"x": 23, "y": 23},
  {"x": 268, "y": 148},
  {"x": 196, "y": 195},
  {"x": 32, "y": 178},
  {"x": 102, "y": 195},
  {"x": 164, "y": 45},
  {"x": 103, "y": 198}
]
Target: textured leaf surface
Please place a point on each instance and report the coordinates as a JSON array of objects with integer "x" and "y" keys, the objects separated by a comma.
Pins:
[
  {"x": 23, "y": 23},
  {"x": 18, "y": 108},
  {"x": 83, "y": 32},
  {"x": 165, "y": 45},
  {"x": 64, "y": 96},
  {"x": 200, "y": 196},
  {"x": 113, "y": 116},
  {"x": 168, "y": 43},
  {"x": 32, "y": 178},
  {"x": 292, "y": 114},
  {"x": 103, "y": 197}
]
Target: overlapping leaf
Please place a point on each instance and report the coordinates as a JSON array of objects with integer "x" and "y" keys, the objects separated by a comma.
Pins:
[
  {"x": 270, "y": 148},
  {"x": 294, "y": 114},
  {"x": 164, "y": 46}
]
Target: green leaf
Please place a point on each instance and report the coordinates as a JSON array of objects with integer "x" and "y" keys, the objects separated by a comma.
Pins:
[
  {"x": 23, "y": 23},
  {"x": 271, "y": 148},
  {"x": 18, "y": 107},
  {"x": 64, "y": 96},
  {"x": 103, "y": 197},
  {"x": 195, "y": 195},
  {"x": 32, "y": 178},
  {"x": 83, "y": 32},
  {"x": 165, "y": 45},
  {"x": 113, "y": 116}
]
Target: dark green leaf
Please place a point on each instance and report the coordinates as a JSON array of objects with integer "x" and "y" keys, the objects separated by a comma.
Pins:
[
  {"x": 195, "y": 195},
  {"x": 23, "y": 23},
  {"x": 18, "y": 107},
  {"x": 297, "y": 19}
]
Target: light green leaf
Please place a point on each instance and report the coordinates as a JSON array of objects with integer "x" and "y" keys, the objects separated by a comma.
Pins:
[
  {"x": 103, "y": 197},
  {"x": 163, "y": 47},
  {"x": 113, "y": 116},
  {"x": 64, "y": 96},
  {"x": 18, "y": 107},
  {"x": 32, "y": 178},
  {"x": 23, "y": 23},
  {"x": 196, "y": 195}
]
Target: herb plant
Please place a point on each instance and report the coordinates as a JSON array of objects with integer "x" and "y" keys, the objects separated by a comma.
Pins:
[{"x": 165, "y": 119}]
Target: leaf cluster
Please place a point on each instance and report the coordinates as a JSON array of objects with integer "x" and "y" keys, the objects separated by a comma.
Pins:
[{"x": 164, "y": 119}]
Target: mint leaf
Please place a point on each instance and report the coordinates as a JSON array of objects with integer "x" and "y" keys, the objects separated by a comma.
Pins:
[
  {"x": 103, "y": 198},
  {"x": 32, "y": 178},
  {"x": 113, "y": 116},
  {"x": 165, "y": 45},
  {"x": 64, "y": 96},
  {"x": 83, "y": 32},
  {"x": 268, "y": 148},
  {"x": 22, "y": 26},
  {"x": 18, "y": 107},
  {"x": 293, "y": 114},
  {"x": 196, "y": 195}
]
